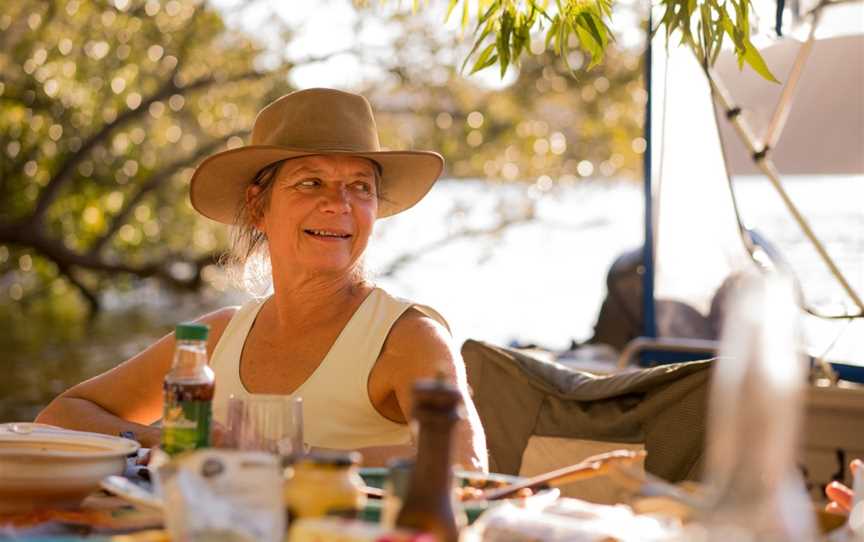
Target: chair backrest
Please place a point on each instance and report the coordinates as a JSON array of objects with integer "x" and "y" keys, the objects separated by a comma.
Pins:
[{"x": 518, "y": 396}]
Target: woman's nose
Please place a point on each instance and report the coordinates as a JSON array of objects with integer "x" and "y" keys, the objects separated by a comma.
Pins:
[{"x": 335, "y": 200}]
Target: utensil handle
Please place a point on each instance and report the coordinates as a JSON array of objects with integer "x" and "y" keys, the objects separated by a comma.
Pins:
[{"x": 593, "y": 466}]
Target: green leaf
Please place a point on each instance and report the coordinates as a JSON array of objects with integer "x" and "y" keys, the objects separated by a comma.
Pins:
[
  {"x": 453, "y": 4},
  {"x": 503, "y": 41},
  {"x": 605, "y": 7},
  {"x": 590, "y": 24},
  {"x": 494, "y": 7},
  {"x": 477, "y": 43},
  {"x": 521, "y": 37},
  {"x": 552, "y": 32},
  {"x": 587, "y": 42},
  {"x": 485, "y": 59},
  {"x": 755, "y": 61}
]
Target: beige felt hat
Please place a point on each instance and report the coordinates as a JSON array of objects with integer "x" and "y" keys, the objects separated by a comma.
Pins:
[{"x": 304, "y": 123}]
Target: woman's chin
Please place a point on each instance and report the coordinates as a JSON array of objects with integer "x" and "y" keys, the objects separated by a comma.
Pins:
[{"x": 331, "y": 266}]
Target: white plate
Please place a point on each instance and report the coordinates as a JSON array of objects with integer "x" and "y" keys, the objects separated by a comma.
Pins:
[
  {"x": 49, "y": 467},
  {"x": 131, "y": 492}
]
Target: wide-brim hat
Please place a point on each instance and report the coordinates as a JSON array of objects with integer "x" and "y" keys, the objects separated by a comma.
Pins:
[{"x": 315, "y": 121}]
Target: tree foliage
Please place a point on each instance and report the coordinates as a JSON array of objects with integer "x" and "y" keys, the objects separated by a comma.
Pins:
[
  {"x": 105, "y": 108},
  {"x": 544, "y": 125},
  {"x": 503, "y": 29}
]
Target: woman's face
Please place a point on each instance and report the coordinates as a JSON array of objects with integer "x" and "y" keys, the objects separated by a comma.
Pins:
[{"x": 321, "y": 213}]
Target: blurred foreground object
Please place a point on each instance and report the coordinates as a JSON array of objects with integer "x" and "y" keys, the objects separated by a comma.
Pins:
[
  {"x": 42, "y": 466},
  {"x": 269, "y": 423},
  {"x": 755, "y": 411},
  {"x": 350, "y": 530},
  {"x": 324, "y": 484},
  {"x": 428, "y": 504},
  {"x": 223, "y": 495},
  {"x": 569, "y": 520}
]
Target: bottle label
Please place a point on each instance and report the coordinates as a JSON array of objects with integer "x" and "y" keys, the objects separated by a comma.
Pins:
[{"x": 185, "y": 425}]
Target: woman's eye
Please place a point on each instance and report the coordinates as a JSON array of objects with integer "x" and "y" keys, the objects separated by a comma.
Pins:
[
  {"x": 363, "y": 187},
  {"x": 308, "y": 183}
]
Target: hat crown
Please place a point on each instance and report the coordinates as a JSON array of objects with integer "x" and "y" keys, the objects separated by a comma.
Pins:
[{"x": 318, "y": 119}]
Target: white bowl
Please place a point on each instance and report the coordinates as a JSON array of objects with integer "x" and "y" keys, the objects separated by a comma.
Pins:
[{"x": 48, "y": 467}]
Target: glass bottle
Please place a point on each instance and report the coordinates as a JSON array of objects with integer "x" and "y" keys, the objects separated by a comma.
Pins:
[
  {"x": 428, "y": 504},
  {"x": 188, "y": 392},
  {"x": 755, "y": 410}
]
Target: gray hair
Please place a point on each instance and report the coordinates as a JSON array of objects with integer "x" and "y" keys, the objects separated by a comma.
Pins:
[{"x": 247, "y": 259}]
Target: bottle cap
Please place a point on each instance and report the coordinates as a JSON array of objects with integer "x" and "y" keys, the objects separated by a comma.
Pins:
[{"x": 188, "y": 331}]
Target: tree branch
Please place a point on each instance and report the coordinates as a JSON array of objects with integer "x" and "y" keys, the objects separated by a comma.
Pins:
[
  {"x": 92, "y": 299},
  {"x": 57, "y": 252},
  {"x": 408, "y": 257},
  {"x": 155, "y": 181},
  {"x": 169, "y": 87}
]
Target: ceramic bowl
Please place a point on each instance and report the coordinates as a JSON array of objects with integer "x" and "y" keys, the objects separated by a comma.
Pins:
[{"x": 48, "y": 467}]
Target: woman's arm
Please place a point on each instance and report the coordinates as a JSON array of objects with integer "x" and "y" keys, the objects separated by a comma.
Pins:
[
  {"x": 418, "y": 347},
  {"x": 129, "y": 396}
]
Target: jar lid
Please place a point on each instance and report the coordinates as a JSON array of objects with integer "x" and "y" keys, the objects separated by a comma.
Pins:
[{"x": 330, "y": 459}]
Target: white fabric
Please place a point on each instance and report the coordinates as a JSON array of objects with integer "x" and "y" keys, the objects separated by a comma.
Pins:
[
  {"x": 697, "y": 244},
  {"x": 337, "y": 411}
]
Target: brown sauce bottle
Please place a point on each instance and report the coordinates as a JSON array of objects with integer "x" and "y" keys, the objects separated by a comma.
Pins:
[{"x": 428, "y": 504}]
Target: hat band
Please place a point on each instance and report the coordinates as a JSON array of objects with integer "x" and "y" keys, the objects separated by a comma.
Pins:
[{"x": 324, "y": 149}]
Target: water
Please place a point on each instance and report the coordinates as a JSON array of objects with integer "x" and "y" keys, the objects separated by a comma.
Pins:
[{"x": 540, "y": 279}]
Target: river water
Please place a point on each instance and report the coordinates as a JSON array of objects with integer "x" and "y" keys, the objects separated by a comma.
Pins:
[{"x": 540, "y": 279}]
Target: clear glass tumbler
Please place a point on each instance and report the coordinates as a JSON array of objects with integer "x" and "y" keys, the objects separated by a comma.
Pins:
[{"x": 269, "y": 423}]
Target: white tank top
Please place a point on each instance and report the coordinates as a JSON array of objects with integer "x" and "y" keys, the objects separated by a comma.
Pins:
[{"x": 337, "y": 411}]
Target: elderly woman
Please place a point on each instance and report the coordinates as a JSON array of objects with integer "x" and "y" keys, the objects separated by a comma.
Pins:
[{"x": 306, "y": 193}]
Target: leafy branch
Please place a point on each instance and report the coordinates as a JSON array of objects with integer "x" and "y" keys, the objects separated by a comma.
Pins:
[{"x": 504, "y": 28}]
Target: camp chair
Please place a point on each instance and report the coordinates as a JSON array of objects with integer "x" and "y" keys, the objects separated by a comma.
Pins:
[{"x": 540, "y": 415}]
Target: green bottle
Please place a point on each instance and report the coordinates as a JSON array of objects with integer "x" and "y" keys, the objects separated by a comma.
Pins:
[{"x": 188, "y": 392}]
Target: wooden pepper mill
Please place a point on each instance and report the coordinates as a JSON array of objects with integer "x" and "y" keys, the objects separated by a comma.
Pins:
[{"x": 428, "y": 504}]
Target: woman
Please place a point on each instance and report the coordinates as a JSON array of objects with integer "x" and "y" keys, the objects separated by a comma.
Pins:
[{"x": 306, "y": 194}]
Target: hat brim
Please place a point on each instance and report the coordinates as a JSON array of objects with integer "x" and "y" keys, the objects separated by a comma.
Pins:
[{"x": 219, "y": 183}]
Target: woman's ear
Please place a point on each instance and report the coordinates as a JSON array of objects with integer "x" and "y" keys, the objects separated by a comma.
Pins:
[{"x": 253, "y": 203}]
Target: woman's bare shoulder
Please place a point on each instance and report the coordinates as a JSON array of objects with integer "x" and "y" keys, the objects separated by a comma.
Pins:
[
  {"x": 416, "y": 323},
  {"x": 417, "y": 336}
]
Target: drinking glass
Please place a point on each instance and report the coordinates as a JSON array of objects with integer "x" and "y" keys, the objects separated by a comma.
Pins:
[{"x": 269, "y": 423}]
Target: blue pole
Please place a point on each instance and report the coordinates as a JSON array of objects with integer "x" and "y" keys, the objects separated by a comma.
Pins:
[{"x": 650, "y": 324}]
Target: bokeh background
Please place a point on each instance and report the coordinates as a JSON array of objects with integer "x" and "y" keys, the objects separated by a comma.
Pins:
[{"x": 107, "y": 106}]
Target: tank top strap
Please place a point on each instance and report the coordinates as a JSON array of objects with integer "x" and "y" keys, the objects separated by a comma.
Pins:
[
  {"x": 358, "y": 346},
  {"x": 225, "y": 360}
]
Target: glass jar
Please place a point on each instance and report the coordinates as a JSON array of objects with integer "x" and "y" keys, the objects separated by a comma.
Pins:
[{"x": 324, "y": 484}]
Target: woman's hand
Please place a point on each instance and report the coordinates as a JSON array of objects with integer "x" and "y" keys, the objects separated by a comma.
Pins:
[{"x": 840, "y": 495}]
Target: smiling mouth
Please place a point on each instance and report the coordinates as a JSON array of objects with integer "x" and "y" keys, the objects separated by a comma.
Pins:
[{"x": 326, "y": 234}]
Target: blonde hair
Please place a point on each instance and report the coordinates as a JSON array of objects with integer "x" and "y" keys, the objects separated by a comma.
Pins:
[{"x": 247, "y": 260}]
